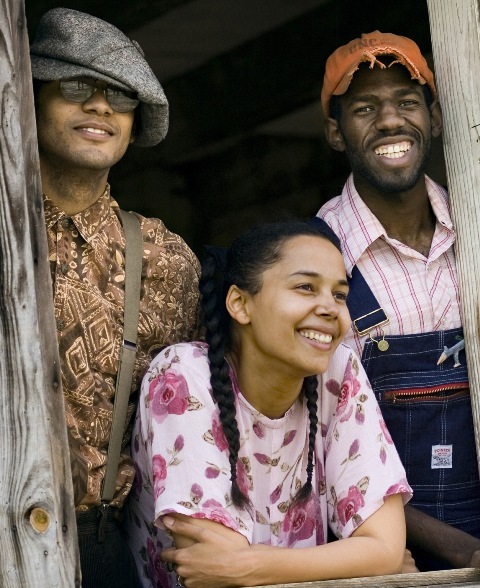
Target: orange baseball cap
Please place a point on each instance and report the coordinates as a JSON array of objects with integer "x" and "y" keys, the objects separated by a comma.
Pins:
[{"x": 344, "y": 62}]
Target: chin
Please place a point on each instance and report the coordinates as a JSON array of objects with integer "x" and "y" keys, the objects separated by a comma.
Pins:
[
  {"x": 320, "y": 367},
  {"x": 96, "y": 163}
]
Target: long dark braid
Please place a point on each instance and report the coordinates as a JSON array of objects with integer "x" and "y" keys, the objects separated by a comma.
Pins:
[
  {"x": 243, "y": 265},
  {"x": 217, "y": 337},
  {"x": 310, "y": 390}
]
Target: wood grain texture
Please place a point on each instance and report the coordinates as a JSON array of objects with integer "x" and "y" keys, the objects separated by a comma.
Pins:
[
  {"x": 455, "y": 31},
  {"x": 453, "y": 578},
  {"x": 34, "y": 465}
]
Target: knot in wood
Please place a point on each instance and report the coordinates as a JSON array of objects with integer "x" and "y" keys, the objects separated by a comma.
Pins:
[{"x": 40, "y": 520}]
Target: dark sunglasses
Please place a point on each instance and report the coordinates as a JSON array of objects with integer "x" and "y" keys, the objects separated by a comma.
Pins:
[{"x": 80, "y": 91}]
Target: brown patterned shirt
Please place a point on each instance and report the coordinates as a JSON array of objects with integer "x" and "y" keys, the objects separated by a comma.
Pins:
[{"x": 86, "y": 253}]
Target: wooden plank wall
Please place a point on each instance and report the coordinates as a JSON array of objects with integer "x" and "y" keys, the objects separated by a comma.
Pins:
[{"x": 37, "y": 521}]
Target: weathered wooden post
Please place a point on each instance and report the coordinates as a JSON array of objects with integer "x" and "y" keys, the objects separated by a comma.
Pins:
[
  {"x": 455, "y": 32},
  {"x": 37, "y": 521}
]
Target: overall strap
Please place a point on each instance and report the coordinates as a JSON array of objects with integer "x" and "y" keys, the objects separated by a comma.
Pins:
[
  {"x": 365, "y": 311},
  {"x": 133, "y": 274}
]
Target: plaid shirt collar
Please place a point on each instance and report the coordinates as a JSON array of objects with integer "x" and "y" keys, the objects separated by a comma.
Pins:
[{"x": 363, "y": 228}]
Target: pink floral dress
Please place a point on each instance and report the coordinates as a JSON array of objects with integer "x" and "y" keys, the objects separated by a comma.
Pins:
[{"x": 181, "y": 458}]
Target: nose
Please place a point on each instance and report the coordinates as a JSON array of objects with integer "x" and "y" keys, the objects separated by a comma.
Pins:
[
  {"x": 389, "y": 118},
  {"x": 326, "y": 306},
  {"x": 98, "y": 103}
]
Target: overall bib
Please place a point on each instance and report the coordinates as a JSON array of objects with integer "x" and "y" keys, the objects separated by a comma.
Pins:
[{"x": 427, "y": 410}]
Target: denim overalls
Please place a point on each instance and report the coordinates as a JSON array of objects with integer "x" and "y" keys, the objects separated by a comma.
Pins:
[{"x": 428, "y": 413}]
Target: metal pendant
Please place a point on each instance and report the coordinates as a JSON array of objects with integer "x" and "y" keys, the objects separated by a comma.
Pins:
[{"x": 382, "y": 344}]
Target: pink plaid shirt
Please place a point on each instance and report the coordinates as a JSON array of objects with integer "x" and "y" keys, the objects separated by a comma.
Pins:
[{"x": 418, "y": 294}]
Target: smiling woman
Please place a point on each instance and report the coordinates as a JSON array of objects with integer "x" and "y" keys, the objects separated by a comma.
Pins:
[{"x": 268, "y": 434}]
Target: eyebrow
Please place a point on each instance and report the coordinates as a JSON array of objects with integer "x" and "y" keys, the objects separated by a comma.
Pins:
[{"x": 310, "y": 274}]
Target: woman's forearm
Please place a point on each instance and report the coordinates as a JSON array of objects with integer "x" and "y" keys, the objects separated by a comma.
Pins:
[
  {"x": 375, "y": 548},
  {"x": 348, "y": 558}
]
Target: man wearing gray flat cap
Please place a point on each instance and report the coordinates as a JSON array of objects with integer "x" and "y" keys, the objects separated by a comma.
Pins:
[{"x": 95, "y": 95}]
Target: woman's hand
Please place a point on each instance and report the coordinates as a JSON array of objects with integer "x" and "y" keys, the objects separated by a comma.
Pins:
[
  {"x": 209, "y": 555},
  {"x": 214, "y": 557}
]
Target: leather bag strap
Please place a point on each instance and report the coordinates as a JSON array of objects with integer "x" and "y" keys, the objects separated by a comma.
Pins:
[{"x": 133, "y": 275}]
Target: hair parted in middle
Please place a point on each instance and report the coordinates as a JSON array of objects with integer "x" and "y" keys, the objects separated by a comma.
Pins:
[{"x": 243, "y": 264}]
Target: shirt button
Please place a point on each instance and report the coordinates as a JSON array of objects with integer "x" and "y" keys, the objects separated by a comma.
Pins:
[
  {"x": 64, "y": 268},
  {"x": 60, "y": 324}
]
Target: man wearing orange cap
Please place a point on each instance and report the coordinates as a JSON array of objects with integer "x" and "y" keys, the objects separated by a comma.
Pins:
[{"x": 379, "y": 100}]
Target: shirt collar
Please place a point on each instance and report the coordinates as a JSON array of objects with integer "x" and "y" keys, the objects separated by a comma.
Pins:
[
  {"x": 440, "y": 204},
  {"x": 361, "y": 227},
  {"x": 88, "y": 221}
]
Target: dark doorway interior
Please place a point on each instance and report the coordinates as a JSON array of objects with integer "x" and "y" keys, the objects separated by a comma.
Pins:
[{"x": 243, "y": 79}]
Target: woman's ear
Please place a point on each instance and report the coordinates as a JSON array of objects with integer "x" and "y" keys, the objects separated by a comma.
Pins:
[
  {"x": 237, "y": 305},
  {"x": 333, "y": 134}
]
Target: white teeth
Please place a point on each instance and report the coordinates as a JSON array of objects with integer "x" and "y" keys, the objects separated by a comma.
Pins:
[
  {"x": 395, "y": 150},
  {"x": 97, "y": 131},
  {"x": 322, "y": 338}
]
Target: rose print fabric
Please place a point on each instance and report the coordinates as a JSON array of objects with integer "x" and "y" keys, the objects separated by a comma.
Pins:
[{"x": 181, "y": 457}]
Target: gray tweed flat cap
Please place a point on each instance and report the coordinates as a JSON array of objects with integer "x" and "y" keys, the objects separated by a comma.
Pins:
[{"x": 69, "y": 43}]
